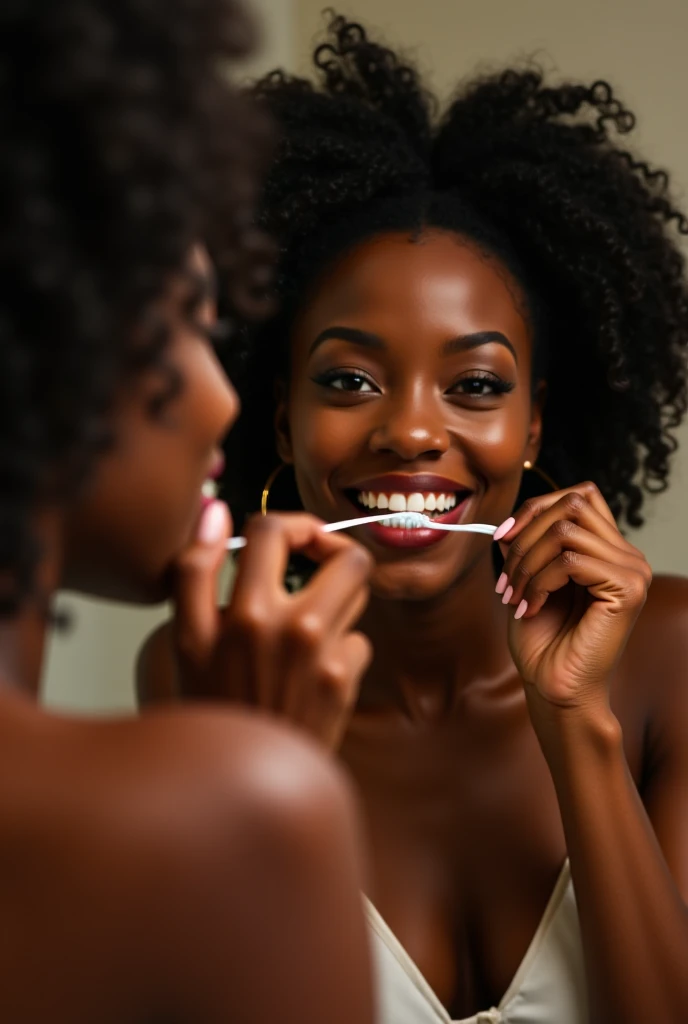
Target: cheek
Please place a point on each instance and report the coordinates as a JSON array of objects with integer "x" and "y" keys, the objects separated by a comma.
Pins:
[
  {"x": 323, "y": 439},
  {"x": 144, "y": 494},
  {"x": 497, "y": 441}
]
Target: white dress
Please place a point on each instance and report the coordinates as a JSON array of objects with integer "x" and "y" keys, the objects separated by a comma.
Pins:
[{"x": 548, "y": 988}]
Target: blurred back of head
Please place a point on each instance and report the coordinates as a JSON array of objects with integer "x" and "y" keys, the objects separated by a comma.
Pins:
[{"x": 122, "y": 144}]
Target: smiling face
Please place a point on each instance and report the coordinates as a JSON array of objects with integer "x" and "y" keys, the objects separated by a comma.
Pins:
[{"x": 411, "y": 384}]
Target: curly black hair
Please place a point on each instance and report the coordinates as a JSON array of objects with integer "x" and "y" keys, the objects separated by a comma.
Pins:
[
  {"x": 534, "y": 174},
  {"x": 123, "y": 145}
]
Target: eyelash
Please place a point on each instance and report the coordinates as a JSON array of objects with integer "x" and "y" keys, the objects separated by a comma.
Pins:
[
  {"x": 498, "y": 385},
  {"x": 328, "y": 378}
]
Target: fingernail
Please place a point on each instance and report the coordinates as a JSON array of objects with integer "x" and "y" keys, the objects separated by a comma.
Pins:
[
  {"x": 521, "y": 610},
  {"x": 212, "y": 524},
  {"x": 502, "y": 530},
  {"x": 501, "y": 583},
  {"x": 508, "y": 594}
]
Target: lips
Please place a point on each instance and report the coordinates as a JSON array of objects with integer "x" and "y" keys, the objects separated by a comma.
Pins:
[
  {"x": 217, "y": 466},
  {"x": 444, "y": 499},
  {"x": 407, "y": 483},
  {"x": 397, "y": 537}
]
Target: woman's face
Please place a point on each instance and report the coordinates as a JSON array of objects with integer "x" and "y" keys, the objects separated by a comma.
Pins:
[
  {"x": 411, "y": 386},
  {"x": 144, "y": 497}
]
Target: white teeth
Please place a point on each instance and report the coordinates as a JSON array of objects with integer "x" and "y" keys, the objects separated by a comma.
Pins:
[
  {"x": 414, "y": 502},
  {"x": 209, "y": 489}
]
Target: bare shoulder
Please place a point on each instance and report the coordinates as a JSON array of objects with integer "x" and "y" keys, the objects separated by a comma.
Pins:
[
  {"x": 656, "y": 659},
  {"x": 153, "y": 832},
  {"x": 664, "y": 619}
]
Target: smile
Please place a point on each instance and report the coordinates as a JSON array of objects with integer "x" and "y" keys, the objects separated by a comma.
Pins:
[
  {"x": 430, "y": 503},
  {"x": 420, "y": 493}
]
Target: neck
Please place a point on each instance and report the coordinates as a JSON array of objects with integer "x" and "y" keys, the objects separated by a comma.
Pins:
[{"x": 428, "y": 653}]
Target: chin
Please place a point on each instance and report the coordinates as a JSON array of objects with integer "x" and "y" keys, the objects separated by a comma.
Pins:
[{"x": 406, "y": 583}]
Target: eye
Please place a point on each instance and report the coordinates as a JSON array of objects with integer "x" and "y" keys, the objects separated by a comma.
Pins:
[
  {"x": 350, "y": 381},
  {"x": 481, "y": 385}
]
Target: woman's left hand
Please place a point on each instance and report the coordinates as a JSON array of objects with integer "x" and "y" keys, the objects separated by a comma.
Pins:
[{"x": 577, "y": 587}]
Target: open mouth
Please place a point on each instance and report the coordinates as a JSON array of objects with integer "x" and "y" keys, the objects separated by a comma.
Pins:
[
  {"x": 426, "y": 495},
  {"x": 434, "y": 504}
]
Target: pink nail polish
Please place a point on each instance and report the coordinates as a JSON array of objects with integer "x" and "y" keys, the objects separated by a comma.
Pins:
[
  {"x": 508, "y": 594},
  {"x": 212, "y": 523},
  {"x": 521, "y": 610},
  {"x": 501, "y": 583},
  {"x": 502, "y": 530}
]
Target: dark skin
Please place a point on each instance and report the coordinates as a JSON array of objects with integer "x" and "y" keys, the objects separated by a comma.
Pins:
[
  {"x": 488, "y": 748},
  {"x": 194, "y": 865}
]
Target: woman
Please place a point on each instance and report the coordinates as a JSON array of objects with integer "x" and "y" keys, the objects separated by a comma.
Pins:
[
  {"x": 198, "y": 866},
  {"x": 461, "y": 299}
]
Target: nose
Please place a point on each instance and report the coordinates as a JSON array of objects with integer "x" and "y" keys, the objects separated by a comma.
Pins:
[
  {"x": 220, "y": 402},
  {"x": 412, "y": 426}
]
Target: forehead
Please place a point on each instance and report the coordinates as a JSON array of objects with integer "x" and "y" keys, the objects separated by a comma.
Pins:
[{"x": 436, "y": 280}]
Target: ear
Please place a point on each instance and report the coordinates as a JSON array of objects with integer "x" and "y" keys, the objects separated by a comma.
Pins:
[
  {"x": 536, "y": 414},
  {"x": 281, "y": 422}
]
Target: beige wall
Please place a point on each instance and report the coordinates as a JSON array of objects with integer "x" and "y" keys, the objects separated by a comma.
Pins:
[{"x": 637, "y": 45}]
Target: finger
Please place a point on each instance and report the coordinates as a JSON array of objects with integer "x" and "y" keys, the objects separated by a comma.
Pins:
[
  {"x": 310, "y": 627},
  {"x": 326, "y": 712},
  {"x": 338, "y": 591},
  {"x": 562, "y": 535},
  {"x": 619, "y": 588},
  {"x": 271, "y": 540},
  {"x": 535, "y": 507},
  {"x": 196, "y": 575},
  {"x": 571, "y": 506}
]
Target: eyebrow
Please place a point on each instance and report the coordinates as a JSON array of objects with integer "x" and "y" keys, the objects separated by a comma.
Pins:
[{"x": 463, "y": 343}]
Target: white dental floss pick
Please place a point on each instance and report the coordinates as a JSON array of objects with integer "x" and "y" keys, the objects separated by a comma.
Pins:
[{"x": 414, "y": 521}]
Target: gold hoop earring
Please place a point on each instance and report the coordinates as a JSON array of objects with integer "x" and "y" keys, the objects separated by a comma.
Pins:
[
  {"x": 541, "y": 473},
  {"x": 266, "y": 490}
]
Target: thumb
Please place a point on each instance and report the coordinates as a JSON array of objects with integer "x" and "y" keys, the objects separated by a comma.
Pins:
[{"x": 196, "y": 618}]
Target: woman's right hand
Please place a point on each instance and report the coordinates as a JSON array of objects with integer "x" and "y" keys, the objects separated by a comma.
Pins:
[{"x": 294, "y": 655}]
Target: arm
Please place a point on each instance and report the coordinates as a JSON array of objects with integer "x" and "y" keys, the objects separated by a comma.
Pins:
[
  {"x": 629, "y": 862},
  {"x": 580, "y": 586}
]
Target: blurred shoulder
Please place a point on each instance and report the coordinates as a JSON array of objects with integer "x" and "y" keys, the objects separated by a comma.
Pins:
[{"x": 156, "y": 831}]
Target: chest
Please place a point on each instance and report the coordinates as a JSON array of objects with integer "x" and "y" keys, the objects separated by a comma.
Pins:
[{"x": 466, "y": 845}]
